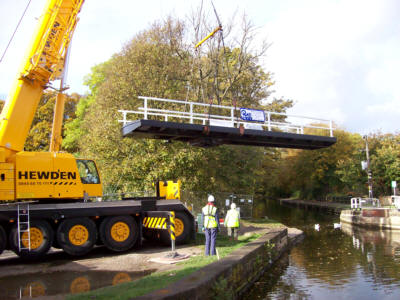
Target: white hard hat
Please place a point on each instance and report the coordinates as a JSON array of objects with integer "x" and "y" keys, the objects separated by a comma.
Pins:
[
  {"x": 211, "y": 198},
  {"x": 233, "y": 205}
]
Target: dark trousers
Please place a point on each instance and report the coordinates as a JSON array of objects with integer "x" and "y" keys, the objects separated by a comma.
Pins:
[{"x": 211, "y": 237}]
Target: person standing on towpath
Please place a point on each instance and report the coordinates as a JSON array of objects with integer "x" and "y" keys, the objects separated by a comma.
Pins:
[
  {"x": 210, "y": 225},
  {"x": 232, "y": 222}
]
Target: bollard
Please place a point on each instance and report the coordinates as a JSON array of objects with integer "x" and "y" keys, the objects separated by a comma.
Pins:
[{"x": 172, "y": 229}]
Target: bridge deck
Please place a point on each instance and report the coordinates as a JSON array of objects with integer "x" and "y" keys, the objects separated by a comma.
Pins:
[
  {"x": 206, "y": 125},
  {"x": 207, "y": 136}
]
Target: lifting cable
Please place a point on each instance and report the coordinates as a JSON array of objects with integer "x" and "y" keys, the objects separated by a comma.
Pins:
[
  {"x": 16, "y": 28},
  {"x": 234, "y": 101},
  {"x": 200, "y": 91},
  {"x": 223, "y": 46},
  {"x": 219, "y": 30},
  {"x": 210, "y": 35},
  {"x": 221, "y": 36}
]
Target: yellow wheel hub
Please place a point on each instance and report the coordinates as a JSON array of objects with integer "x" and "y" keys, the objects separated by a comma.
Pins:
[
  {"x": 179, "y": 227},
  {"x": 36, "y": 238},
  {"x": 78, "y": 235},
  {"x": 120, "y": 231}
]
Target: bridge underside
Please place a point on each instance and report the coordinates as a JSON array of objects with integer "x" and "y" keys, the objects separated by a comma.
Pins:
[{"x": 208, "y": 136}]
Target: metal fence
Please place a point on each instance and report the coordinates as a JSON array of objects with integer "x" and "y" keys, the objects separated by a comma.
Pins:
[
  {"x": 226, "y": 116},
  {"x": 359, "y": 202},
  {"x": 194, "y": 201}
]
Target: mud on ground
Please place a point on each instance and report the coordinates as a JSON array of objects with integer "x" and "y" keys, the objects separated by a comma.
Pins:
[{"x": 101, "y": 259}]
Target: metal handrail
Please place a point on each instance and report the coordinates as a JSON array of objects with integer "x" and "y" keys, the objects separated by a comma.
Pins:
[{"x": 146, "y": 111}]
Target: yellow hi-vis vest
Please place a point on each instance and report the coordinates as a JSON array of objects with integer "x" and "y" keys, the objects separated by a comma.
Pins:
[
  {"x": 209, "y": 212},
  {"x": 232, "y": 218}
]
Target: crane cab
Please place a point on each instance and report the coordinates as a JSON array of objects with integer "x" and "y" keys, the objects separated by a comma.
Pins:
[{"x": 90, "y": 177}]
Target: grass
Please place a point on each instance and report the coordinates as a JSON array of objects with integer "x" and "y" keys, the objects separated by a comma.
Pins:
[{"x": 159, "y": 280}]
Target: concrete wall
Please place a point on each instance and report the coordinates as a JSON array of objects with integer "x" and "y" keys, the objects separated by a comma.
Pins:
[
  {"x": 373, "y": 218},
  {"x": 230, "y": 276}
]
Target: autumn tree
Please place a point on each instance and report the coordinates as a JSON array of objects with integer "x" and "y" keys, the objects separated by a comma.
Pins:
[
  {"x": 74, "y": 130},
  {"x": 317, "y": 173},
  {"x": 158, "y": 62},
  {"x": 385, "y": 163},
  {"x": 39, "y": 135}
]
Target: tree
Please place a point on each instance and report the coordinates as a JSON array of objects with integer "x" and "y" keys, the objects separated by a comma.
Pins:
[
  {"x": 385, "y": 163},
  {"x": 39, "y": 135},
  {"x": 148, "y": 65},
  {"x": 157, "y": 62},
  {"x": 318, "y": 173},
  {"x": 74, "y": 130}
]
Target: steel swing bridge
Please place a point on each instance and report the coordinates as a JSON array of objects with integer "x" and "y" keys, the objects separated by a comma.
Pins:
[{"x": 223, "y": 125}]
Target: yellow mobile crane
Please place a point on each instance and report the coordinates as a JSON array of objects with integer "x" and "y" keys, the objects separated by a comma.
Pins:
[{"x": 46, "y": 192}]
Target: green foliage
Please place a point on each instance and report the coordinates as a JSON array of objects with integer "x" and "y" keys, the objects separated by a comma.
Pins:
[
  {"x": 74, "y": 130},
  {"x": 385, "y": 163},
  {"x": 40, "y": 132},
  {"x": 337, "y": 170},
  {"x": 318, "y": 173},
  {"x": 156, "y": 63}
]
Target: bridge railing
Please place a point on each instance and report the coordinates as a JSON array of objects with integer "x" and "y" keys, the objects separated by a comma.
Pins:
[{"x": 225, "y": 116}]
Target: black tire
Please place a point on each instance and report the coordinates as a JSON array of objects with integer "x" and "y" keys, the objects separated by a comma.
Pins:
[
  {"x": 42, "y": 236},
  {"x": 77, "y": 236},
  {"x": 181, "y": 219},
  {"x": 3, "y": 239},
  {"x": 119, "y": 233}
]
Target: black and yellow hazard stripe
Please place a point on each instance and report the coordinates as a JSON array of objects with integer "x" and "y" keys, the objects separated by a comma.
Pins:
[
  {"x": 155, "y": 222},
  {"x": 172, "y": 225}
]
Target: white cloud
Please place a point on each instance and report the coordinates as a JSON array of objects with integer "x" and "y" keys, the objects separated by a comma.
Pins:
[
  {"x": 389, "y": 108},
  {"x": 336, "y": 58}
]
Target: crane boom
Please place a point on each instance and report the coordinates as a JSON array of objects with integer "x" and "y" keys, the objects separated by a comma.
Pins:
[
  {"x": 44, "y": 61},
  {"x": 49, "y": 193}
]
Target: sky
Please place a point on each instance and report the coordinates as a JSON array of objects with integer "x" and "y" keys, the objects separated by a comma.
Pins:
[{"x": 336, "y": 59}]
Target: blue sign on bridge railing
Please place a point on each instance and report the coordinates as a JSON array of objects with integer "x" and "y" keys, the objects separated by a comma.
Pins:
[{"x": 254, "y": 115}]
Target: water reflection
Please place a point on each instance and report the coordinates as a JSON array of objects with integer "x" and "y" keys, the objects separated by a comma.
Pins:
[
  {"x": 380, "y": 252},
  {"x": 346, "y": 263},
  {"x": 61, "y": 283}
]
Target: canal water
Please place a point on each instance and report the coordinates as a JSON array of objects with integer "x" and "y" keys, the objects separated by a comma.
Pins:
[
  {"x": 60, "y": 284},
  {"x": 345, "y": 263}
]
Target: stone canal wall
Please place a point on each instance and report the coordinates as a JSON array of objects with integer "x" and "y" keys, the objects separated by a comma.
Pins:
[
  {"x": 374, "y": 218},
  {"x": 229, "y": 277},
  {"x": 324, "y": 207}
]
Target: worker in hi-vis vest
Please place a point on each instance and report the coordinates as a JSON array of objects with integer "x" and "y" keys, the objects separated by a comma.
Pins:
[
  {"x": 232, "y": 222},
  {"x": 210, "y": 225}
]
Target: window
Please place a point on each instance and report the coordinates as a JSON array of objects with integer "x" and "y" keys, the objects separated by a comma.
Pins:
[{"x": 88, "y": 171}]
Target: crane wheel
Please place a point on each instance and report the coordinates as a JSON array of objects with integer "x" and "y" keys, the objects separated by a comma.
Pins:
[
  {"x": 41, "y": 238},
  {"x": 77, "y": 236},
  {"x": 182, "y": 230},
  {"x": 119, "y": 233},
  {"x": 3, "y": 239}
]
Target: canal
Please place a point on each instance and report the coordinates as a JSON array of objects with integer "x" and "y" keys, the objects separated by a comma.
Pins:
[{"x": 344, "y": 263}]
